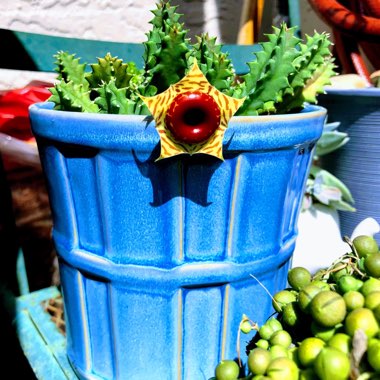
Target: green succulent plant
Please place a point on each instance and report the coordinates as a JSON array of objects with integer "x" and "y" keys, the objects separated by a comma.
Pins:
[
  {"x": 322, "y": 187},
  {"x": 284, "y": 75}
]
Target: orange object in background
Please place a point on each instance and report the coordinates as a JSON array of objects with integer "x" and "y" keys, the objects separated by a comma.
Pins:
[
  {"x": 250, "y": 23},
  {"x": 356, "y": 29}
]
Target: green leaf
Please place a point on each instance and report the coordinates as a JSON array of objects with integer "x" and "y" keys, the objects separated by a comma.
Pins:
[
  {"x": 112, "y": 99},
  {"x": 215, "y": 65},
  {"x": 329, "y": 179},
  {"x": 72, "y": 97},
  {"x": 268, "y": 75},
  {"x": 314, "y": 67},
  {"x": 70, "y": 69},
  {"x": 330, "y": 141},
  {"x": 329, "y": 127},
  {"x": 342, "y": 206},
  {"x": 316, "y": 84},
  {"x": 111, "y": 68},
  {"x": 167, "y": 48}
]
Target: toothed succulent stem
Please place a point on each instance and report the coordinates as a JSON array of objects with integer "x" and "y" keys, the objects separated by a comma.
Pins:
[
  {"x": 268, "y": 75},
  {"x": 286, "y": 73},
  {"x": 314, "y": 68},
  {"x": 167, "y": 48},
  {"x": 215, "y": 65},
  {"x": 282, "y": 77}
]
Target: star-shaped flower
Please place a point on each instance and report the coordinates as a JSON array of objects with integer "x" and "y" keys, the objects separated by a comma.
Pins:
[{"x": 191, "y": 116}]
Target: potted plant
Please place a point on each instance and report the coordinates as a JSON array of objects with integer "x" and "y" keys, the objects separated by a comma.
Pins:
[{"x": 170, "y": 186}]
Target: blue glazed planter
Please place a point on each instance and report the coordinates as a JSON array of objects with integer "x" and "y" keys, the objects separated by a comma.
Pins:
[
  {"x": 356, "y": 163},
  {"x": 157, "y": 258}
]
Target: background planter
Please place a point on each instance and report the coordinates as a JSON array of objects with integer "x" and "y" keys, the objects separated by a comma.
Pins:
[
  {"x": 157, "y": 258},
  {"x": 357, "y": 163}
]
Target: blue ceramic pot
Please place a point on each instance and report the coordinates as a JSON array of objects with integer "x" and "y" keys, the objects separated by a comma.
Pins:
[
  {"x": 357, "y": 163},
  {"x": 159, "y": 260}
]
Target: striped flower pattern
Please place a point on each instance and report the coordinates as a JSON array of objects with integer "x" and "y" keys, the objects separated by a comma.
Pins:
[{"x": 194, "y": 81}]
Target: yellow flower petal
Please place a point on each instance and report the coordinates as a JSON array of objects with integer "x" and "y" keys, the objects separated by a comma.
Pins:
[{"x": 194, "y": 81}]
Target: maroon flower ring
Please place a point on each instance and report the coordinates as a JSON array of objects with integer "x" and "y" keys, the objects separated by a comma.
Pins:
[{"x": 193, "y": 117}]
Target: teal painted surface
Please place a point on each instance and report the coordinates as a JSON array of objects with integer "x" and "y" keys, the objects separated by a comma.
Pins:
[
  {"x": 295, "y": 15},
  {"x": 22, "y": 277},
  {"x": 43, "y": 345},
  {"x": 42, "y": 48}
]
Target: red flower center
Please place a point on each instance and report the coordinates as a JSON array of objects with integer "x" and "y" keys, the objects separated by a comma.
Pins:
[{"x": 193, "y": 117}]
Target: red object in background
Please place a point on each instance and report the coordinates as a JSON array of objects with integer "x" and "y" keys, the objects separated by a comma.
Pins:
[
  {"x": 14, "y": 114},
  {"x": 356, "y": 29}
]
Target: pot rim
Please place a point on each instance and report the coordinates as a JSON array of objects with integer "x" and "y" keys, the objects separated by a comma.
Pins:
[
  {"x": 365, "y": 91},
  {"x": 310, "y": 110},
  {"x": 125, "y": 132}
]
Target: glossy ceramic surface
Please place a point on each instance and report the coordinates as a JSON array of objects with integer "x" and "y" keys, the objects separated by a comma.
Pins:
[
  {"x": 357, "y": 163},
  {"x": 159, "y": 260}
]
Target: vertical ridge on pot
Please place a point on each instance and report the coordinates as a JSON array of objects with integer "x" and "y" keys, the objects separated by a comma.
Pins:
[
  {"x": 293, "y": 197},
  {"x": 235, "y": 184},
  {"x": 88, "y": 203}
]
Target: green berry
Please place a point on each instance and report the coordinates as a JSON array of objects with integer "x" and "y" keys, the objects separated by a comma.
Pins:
[
  {"x": 365, "y": 245},
  {"x": 298, "y": 277},
  {"x": 309, "y": 349},
  {"x": 283, "y": 369},
  {"x": 363, "y": 319},
  {"x": 353, "y": 300},
  {"x": 341, "y": 272},
  {"x": 321, "y": 284},
  {"x": 282, "y": 298},
  {"x": 258, "y": 361},
  {"x": 305, "y": 296},
  {"x": 282, "y": 338},
  {"x": 227, "y": 370},
  {"x": 291, "y": 314},
  {"x": 372, "y": 265},
  {"x": 328, "y": 308},
  {"x": 332, "y": 364},
  {"x": 373, "y": 355},
  {"x": 245, "y": 327},
  {"x": 342, "y": 342},
  {"x": 348, "y": 282},
  {"x": 372, "y": 300},
  {"x": 269, "y": 327},
  {"x": 278, "y": 351},
  {"x": 262, "y": 343},
  {"x": 322, "y": 332},
  {"x": 370, "y": 285}
]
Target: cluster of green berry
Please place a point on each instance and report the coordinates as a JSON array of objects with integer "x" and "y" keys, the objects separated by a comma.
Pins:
[{"x": 327, "y": 324}]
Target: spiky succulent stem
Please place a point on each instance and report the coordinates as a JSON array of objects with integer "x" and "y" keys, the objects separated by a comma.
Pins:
[
  {"x": 166, "y": 49},
  {"x": 314, "y": 68},
  {"x": 283, "y": 76},
  {"x": 111, "y": 86},
  {"x": 215, "y": 65},
  {"x": 268, "y": 76},
  {"x": 286, "y": 73}
]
